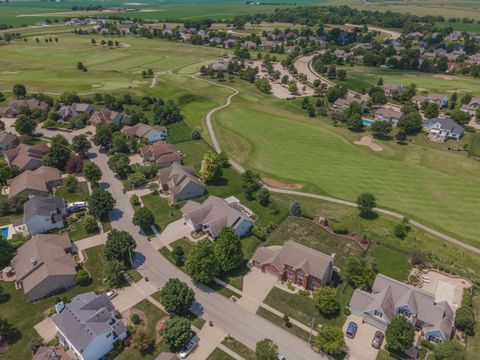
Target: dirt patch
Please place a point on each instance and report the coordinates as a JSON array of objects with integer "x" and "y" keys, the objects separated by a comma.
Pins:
[
  {"x": 125, "y": 45},
  {"x": 281, "y": 185},
  {"x": 159, "y": 327},
  {"x": 368, "y": 141}
]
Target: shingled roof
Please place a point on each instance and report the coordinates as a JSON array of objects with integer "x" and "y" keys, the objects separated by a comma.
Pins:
[
  {"x": 36, "y": 180},
  {"x": 26, "y": 156}
]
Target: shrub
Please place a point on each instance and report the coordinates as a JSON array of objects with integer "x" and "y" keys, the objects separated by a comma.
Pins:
[
  {"x": 465, "y": 320},
  {"x": 347, "y": 311},
  {"x": 134, "y": 200},
  {"x": 178, "y": 255},
  {"x": 340, "y": 228},
  {"x": 82, "y": 278},
  {"x": 304, "y": 292},
  {"x": 135, "y": 319}
]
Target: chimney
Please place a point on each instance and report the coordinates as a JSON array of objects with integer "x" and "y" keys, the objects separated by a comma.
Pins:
[{"x": 34, "y": 261}]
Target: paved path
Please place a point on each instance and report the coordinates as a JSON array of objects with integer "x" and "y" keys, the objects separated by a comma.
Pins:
[
  {"x": 390, "y": 33},
  {"x": 89, "y": 242}
]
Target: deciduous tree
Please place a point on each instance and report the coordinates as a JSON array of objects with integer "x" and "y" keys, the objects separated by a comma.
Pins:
[
  {"x": 101, "y": 203},
  {"x": 119, "y": 246},
  {"x": 210, "y": 168},
  {"x": 330, "y": 340},
  {"x": 366, "y": 203},
  {"x": 266, "y": 349},
  {"x": 177, "y": 332},
  {"x": 228, "y": 249},
  {"x": 359, "y": 274},
  {"x": 25, "y": 125},
  {"x": 81, "y": 144},
  {"x": 202, "y": 264},
  {"x": 144, "y": 218},
  {"x": 177, "y": 296},
  {"x": 120, "y": 164},
  {"x": 92, "y": 172},
  {"x": 325, "y": 299},
  {"x": 71, "y": 183},
  {"x": 400, "y": 334}
]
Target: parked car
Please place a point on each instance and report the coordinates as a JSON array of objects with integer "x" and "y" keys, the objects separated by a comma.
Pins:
[
  {"x": 352, "y": 329},
  {"x": 281, "y": 357},
  {"x": 112, "y": 293},
  {"x": 377, "y": 339},
  {"x": 188, "y": 348}
]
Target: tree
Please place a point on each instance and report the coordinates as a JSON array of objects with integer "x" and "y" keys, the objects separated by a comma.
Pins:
[
  {"x": 178, "y": 254},
  {"x": 177, "y": 297},
  {"x": 263, "y": 85},
  {"x": 71, "y": 183},
  {"x": 228, "y": 249},
  {"x": 119, "y": 143},
  {"x": 4, "y": 296},
  {"x": 411, "y": 123},
  {"x": 355, "y": 122},
  {"x": 400, "y": 334},
  {"x": 7, "y": 331},
  {"x": 449, "y": 350},
  {"x": 465, "y": 320},
  {"x": 292, "y": 87},
  {"x": 25, "y": 125},
  {"x": 210, "y": 168},
  {"x": 6, "y": 172},
  {"x": 82, "y": 278},
  {"x": 57, "y": 156},
  {"x": 266, "y": 349},
  {"x": 93, "y": 42},
  {"x": 90, "y": 224},
  {"x": 69, "y": 97},
  {"x": 264, "y": 196},
  {"x": 196, "y": 135},
  {"x": 80, "y": 66},
  {"x": 359, "y": 274},
  {"x": 144, "y": 218},
  {"x": 431, "y": 110},
  {"x": 202, "y": 264},
  {"x": 142, "y": 341},
  {"x": 381, "y": 129},
  {"x": 401, "y": 136},
  {"x": 7, "y": 252},
  {"x": 114, "y": 273},
  {"x": 341, "y": 74},
  {"x": 177, "y": 332},
  {"x": 81, "y": 144},
  {"x": 120, "y": 164},
  {"x": 101, "y": 203},
  {"x": 2, "y": 98},
  {"x": 461, "y": 117},
  {"x": 366, "y": 202},
  {"x": 295, "y": 209},
  {"x": 103, "y": 136},
  {"x": 92, "y": 172},
  {"x": 118, "y": 246},
  {"x": 250, "y": 183},
  {"x": 19, "y": 91},
  {"x": 330, "y": 340},
  {"x": 325, "y": 299}
]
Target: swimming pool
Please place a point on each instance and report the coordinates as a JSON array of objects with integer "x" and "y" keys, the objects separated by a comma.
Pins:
[
  {"x": 367, "y": 122},
  {"x": 4, "y": 231}
]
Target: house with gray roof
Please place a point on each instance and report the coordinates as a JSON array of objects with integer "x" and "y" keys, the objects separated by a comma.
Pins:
[
  {"x": 297, "y": 263},
  {"x": 342, "y": 104},
  {"x": 390, "y": 298},
  {"x": 181, "y": 182},
  {"x": 44, "y": 265},
  {"x": 15, "y": 107},
  {"x": 440, "y": 100},
  {"x": 88, "y": 327},
  {"x": 389, "y": 115},
  {"x": 147, "y": 132},
  {"x": 8, "y": 140},
  {"x": 67, "y": 111},
  {"x": 110, "y": 117},
  {"x": 46, "y": 353},
  {"x": 43, "y": 214},
  {"x": 38, "y": 182},
  {"x": 215, "y": 213},
  {"x": 443, "y": 128},
  {"x": 472, "y": 106}
]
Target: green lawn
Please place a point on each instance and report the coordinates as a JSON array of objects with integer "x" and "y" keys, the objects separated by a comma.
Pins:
[
  {"x": 80, "y": 195},
  {"x": 164, "y": 213},
  {"x": 391, "y": 263},
  {"x": 277, "y": 320},
  {"x": 179, "y": 132},
  {"x": 219, "y": 354},
  {"x": 77, "y": 231},
  {"x": 474, "y": 148},
  {"x": 239, "y": 348},
  {"x": 8, "y": 219},
  {"x": 473, "y": 342}
]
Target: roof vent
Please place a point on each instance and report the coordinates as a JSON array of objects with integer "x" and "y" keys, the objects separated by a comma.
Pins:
[{"x": 34, "y": 261}]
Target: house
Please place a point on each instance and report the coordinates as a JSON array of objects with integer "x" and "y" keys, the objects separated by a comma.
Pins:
[
  {"x": 67, "y": 111},
  {"x": 38, "y": 182},
  {"x": 443, "y": 128},
  {"x": 219, "y": 65},
  {"x": 110, "y": 117},
  {"x": 161, "y": 153},
  {"x": 440, "y": 100},
  {"x": 249, "y": 45},
  {"x": 340, "y": 54},
  {"x": 390, "y": 89},
  {"x": 26, "y": 157},
  {"x": 388, "y": 114},
  {"x": 472, "y": 106},
  {"x": 390, "y": 298},
  {"x": 181, "y": 182},
  {"x": 44, "y": 265},
  {"x": 147, "y": 132},
  {"x": 342, "y": 104},
  {"x": 454, "y": 36},
  {"x": 215, "y": 213},
  {"x": 88, "y": 327},
  {"x": 42, "y": 214},
  {"x": 296, "y": 263},
  {"x": 15, "y": 107},
  {"x": 46, "y": 353},
  {"x": 8, "y": 140}
]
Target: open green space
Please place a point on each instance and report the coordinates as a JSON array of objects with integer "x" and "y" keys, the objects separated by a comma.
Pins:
[
  {"x": 80, "y": 195},
  {"x": 277, "y": 320},
  {"x": 219, "y": 354},
  {"x": 474, "y": 148},
  {"x": 197, "y": 321},
  {"x": 239, "y": 348},
  {"x": 391, "y": 263},
  {"x": 162, "y": 211},
  {"x": 77, "y": 231},
  {"x": 473, "y": 342}
]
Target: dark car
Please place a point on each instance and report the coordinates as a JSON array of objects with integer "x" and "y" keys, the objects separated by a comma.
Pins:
[
  {"x": 377, "y": 339},
  {"x": 352, "y": 329}
]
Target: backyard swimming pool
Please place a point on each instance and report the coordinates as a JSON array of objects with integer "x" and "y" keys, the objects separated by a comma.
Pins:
[
  {"x": 367, "y": 122},
  {"x": 4, "y": 232}
]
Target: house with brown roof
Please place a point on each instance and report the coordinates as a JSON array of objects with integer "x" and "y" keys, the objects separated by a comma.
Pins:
[
  {"x": 8, "y": 140},
  {"x": 181, "y": 182},
  {"x": 110, "y": 117},
  {"x": 44, "y": 265},
  {"x": 390, "y": 298},
  {"x": 15, "y": 107},
  {"x": 391, "y": 88},
  {"x": 342, "y": 104},
  {"x": 38, "y": 182},
  {"x": 161, "y": 153},
  {"x": 46, "y": 353},
  {"x": 297, "y": 263},
  {"x": 215, "y": 213},
  {"x": 75, "y": 109},
  {"x": 147, "y": 132},
  {"x": 26, "y": 157},
  {"x": 389, "y": 115}
]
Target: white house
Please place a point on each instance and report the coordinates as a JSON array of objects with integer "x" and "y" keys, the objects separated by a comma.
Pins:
[
  {"x": 42, "y": 214},
  {"x": 443, "y": 128},
  {"x": 88, "y": 326}
]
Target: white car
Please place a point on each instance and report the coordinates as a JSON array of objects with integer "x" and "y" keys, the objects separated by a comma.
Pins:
[
  {"x": 188, "y": 348},
  {"x": 112, "y": 293}
]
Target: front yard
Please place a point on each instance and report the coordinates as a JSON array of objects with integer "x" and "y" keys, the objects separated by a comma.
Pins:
[
  {"x": 164, "y": 213},
  {"x": 80, "y": 195}
]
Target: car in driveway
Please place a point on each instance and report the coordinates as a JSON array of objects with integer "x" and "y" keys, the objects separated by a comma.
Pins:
[
  {"x": 378, "y": 339},
  {"x": 112, "y": 293},
  {"x": 351, "y": 329},
  {"x": 188, "y": 348}
]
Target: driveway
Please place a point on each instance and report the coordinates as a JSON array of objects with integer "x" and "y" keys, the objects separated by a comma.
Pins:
[
  {"x": 131, "y": 295},
  {"x": 174, "y": 231},
  {"x": 360, "y": 348},
  {"x": 256, "y": 286},
  {"x": 46, "y": 329},
  {"x": 209, "y": 338}
]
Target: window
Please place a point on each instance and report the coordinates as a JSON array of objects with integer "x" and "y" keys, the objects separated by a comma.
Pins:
[
  {"x": 378, "y": 314},
  {"x": 404, "y": 312},
  {"x": 300, "y": 275}
]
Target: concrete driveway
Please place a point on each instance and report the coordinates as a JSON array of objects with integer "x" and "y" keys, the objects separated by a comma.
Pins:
[
  {"x": 174, "y": 231},
  {"x": 131, "y": 295},
  {"x": 360, "y": 348},
  {"x": 256, "y": 286},
  {"x": 46, "y": 329}
]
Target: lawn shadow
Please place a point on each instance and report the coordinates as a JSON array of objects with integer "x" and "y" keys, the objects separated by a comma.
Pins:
[{"x": 370, "y": 215}]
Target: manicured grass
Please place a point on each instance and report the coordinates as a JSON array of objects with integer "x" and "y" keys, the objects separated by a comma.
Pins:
[
  {"x": 153, "y": 315},
  {"x": 134, "y": 275},
  {"x": 277, "y": 320},
  {"x": 8, "y": 219},
  {"x": 179, "y": 132},
  {"x": 384, "y": 355},
  {"x": 80, "y": 195},
  {"x": 106, "y": 226},
  {"x": 164, "y": 213},
  {"x": 391, "y": 263},
  {"x": 77, "y": 231},
  {"x": 473, "y": 342},
  {"x": 194, "y": 151},
  {"x": 219, "y": 354},
  {"x": 474, "y": 148},
  {"x": 239, "y": 348}
]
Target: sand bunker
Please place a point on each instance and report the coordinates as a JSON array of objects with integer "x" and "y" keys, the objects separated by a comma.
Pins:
[
  {"x": 368, "y": 141},
  {"x": 281, "y": 185}
]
